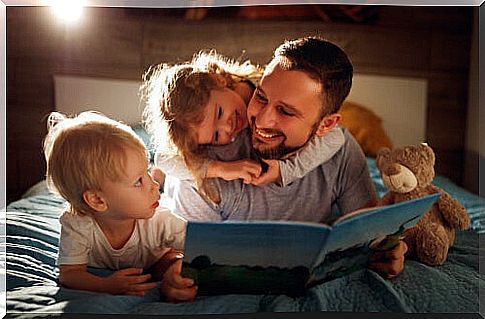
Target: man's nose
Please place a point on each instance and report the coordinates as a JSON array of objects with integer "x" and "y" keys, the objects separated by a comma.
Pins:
[{"x": 266, "y": 117}]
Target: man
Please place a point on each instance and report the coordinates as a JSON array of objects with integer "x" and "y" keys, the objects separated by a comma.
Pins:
[{"x": 298, "y": 97}]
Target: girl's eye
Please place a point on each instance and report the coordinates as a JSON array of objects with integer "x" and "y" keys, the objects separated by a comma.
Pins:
[{"x": 260, "y": 97}]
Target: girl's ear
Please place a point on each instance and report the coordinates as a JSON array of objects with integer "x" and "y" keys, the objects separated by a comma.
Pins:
[
  {"x": 95, "y": 200},
  {"x": 328, "y": 123}
]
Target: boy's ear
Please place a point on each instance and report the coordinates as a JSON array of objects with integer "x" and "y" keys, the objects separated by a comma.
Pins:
[
  {"x": 328, "y": 123},
  {"x": 95, "y": 200}
]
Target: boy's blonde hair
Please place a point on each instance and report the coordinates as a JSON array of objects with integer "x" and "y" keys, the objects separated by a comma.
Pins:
[
  {"x": 83, "y": 151},
  {"x": 175, "y": 97}
]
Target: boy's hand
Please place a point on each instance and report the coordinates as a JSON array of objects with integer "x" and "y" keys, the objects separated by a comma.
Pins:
[
  {"x": 389, "y": 263},
  {"x": 242, "y": 169},
  {"x": 272, "y": 175},
  {"x": 129, "y": 281},
  {"x": 176, "y": 288}
]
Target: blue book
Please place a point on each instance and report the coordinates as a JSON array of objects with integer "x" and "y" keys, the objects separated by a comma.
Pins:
[{"x": 283, "y": 257}]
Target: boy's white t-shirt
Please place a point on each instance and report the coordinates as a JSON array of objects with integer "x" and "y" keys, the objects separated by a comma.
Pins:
[{"x": 83, "y": 242}]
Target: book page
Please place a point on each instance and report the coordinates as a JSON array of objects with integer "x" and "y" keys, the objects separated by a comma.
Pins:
[
  {"x": 362, "y": 227},
  {"x": 252, "y": 256}
]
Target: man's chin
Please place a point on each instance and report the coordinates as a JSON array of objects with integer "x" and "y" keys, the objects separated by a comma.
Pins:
[{"x": 277, "y": 152}]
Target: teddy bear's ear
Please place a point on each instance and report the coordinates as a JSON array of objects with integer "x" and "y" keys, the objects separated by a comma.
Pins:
[
  {"x": 428, "y": 151},
  {"x": 383, "y": 156}
]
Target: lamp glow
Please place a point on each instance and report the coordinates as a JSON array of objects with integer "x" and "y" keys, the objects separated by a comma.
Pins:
[{"x": 68, "y": 11}]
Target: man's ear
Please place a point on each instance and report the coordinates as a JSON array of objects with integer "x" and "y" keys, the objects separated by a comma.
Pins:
[
  {"x": 95, "y": 200},
  {"x": 328, "y": 123}
]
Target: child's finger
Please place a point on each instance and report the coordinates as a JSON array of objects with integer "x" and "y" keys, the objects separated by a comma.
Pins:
[
  {"x": 186, "y": 294},
  {"x": 130, "y": 271},
  {"x": 140, "y": 279},
  {"x": 143, "y": 286}
]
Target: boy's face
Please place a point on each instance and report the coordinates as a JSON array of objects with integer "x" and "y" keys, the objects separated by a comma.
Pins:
[
  {"x": 283, "y": 112},
  {"x": 136, "y": 194},
  {"x": 225, "y": 117}
]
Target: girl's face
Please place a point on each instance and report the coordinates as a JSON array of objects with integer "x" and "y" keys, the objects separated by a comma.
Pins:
[{"x": 225, "y": 117}]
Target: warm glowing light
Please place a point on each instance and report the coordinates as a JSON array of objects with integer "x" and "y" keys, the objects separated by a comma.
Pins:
[{"x": 68, "y": 10}]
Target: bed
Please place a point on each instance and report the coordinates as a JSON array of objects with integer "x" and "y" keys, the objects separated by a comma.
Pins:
[{"x": 32, "y": 230}]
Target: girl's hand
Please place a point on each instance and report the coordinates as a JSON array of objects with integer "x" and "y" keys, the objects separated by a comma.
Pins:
[
  {"x": 244, "y": 169},
  {"x": 272, "y": 175},
  {"x": 176, "y": 288},
  {"x": 129, "y": 281}
]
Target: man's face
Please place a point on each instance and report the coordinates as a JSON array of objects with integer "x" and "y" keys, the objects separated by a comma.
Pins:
[{"x": 283, "y": 112}]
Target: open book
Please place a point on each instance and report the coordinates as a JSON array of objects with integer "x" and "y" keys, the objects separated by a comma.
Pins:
[{"x": 281, "y": 257}]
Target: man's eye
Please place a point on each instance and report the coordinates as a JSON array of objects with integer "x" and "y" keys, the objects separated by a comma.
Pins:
[
  {"x": 138, "y": 183},
  {"x": 285, "y": 112}
]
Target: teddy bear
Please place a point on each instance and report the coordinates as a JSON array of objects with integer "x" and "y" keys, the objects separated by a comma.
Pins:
[{"x": 408, "y": 173}]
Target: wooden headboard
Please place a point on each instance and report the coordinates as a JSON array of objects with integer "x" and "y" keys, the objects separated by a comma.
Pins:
[{"x": 399, "y": 101}]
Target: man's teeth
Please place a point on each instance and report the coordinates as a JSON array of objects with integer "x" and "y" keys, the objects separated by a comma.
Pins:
[{"x": 265, "y": 135}]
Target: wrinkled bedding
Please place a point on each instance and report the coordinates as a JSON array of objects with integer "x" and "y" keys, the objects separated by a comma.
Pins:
[{"x": 32, "y": 230}]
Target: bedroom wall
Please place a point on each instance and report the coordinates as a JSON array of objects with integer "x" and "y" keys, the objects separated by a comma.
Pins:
[
  {"x": 475, "y": 147},
  {"x": 426, "y": 42}
]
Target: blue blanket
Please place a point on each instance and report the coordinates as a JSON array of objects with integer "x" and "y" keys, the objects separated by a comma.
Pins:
[{"x": 32, "y": 229}]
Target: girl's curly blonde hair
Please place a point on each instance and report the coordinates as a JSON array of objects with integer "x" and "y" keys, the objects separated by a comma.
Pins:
[{"x": 175, "y": 97}]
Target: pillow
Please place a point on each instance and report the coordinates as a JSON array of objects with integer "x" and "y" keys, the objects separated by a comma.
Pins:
[{"x": 365, "y": 126}]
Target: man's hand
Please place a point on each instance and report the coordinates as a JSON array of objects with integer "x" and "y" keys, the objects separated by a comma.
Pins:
[
  {"x": 242, "y": 169},
  {"x": 272, "y": 175},
  {"x": 129, "y": 281},
  {"x": 389, "y": 263},
  {"x": 176, "y": 288}
]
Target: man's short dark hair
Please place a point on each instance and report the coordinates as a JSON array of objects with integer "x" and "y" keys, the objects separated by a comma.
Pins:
[{"x": 322, "y": 61}]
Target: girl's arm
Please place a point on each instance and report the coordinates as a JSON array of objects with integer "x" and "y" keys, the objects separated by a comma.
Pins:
[
  {"x": 318, "y": 150},
  {"x": 245, "y": 169},
  {"x": 129, "y": 281}
]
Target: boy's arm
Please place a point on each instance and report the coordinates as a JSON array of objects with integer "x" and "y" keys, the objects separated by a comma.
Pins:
[
  {"x": 318, "y": 150},
  {"x": 129, "y": 281}
]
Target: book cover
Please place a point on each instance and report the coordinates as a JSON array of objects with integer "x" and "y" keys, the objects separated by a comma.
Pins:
[{"x": 284, "y": 257}]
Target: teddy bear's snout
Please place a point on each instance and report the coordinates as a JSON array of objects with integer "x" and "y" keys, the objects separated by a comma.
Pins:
[{"x": 393, "y": 169}]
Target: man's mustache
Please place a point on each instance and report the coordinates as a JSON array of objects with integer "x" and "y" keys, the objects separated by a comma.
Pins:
[{"x": 268, "y": 131}]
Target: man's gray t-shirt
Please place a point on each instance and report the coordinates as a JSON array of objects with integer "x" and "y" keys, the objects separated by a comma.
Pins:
[{"x": 343, "y": 181}]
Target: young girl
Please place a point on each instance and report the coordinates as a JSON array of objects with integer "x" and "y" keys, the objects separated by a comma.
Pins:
[
  {"x": 203, "y": 102},
  {"x": 100, "y": 167}
]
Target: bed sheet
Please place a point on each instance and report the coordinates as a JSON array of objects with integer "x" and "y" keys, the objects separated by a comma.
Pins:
[{"x": 32, "y": 230}]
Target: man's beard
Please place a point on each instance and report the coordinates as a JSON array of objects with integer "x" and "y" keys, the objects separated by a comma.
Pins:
[{"x": 277, "y": 152}]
